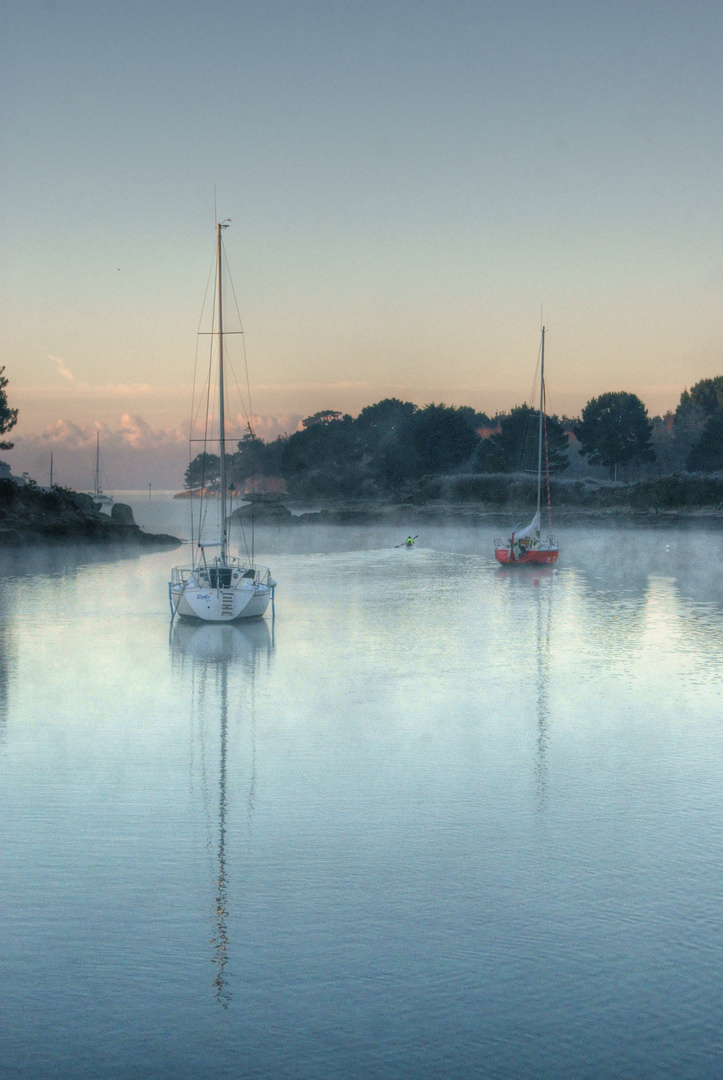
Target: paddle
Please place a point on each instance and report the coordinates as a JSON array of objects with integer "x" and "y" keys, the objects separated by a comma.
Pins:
[{"x": 405, "y": 542}]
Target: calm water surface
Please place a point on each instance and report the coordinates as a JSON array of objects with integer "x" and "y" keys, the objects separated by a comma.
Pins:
[{"x": 436, "y": 820}]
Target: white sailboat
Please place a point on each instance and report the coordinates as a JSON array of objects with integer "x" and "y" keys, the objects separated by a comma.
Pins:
[
  {"x": 527, "y": 546},
  {"x": 99, "y": 496},
  {"x": 220, "y": 587}
]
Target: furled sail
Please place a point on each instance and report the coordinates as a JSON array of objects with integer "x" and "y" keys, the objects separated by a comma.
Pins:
[{"x": 532, "y": 531}]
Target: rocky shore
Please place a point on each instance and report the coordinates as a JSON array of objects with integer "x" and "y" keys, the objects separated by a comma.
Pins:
[
  {"x": 503, "y": 499},
  {"x": 33, "y": 515},
  {"x": 440, "y": 513}
]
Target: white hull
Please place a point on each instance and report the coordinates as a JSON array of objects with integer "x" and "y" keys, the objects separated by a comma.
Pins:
[{"x": 220, "y": 605}]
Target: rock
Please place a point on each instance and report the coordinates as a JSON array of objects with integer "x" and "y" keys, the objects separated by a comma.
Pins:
[
  {"x": 31, "y": 515},
  {"x": 122, "y": 514},
  {"x": 272, "y": 513}
]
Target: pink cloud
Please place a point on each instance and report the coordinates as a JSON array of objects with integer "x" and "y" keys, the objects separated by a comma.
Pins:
[{"x": 133, "y": 453}]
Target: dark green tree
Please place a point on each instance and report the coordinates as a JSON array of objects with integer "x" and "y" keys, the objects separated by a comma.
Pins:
[
  {"x": 384, "y": 420},
  {"x": 249, "y": 459},
  {"x": 443, "y": 438},
  {"x": 325, "y": 416},
  {"x": 384, "y": 430},
  {"x": 515, "y": 447},
  {"x": 323, "y": 458},
  {"x": 693, "y": 432},
  {"x": 8, "y": 416},
  {"x": 615, "y": 430},
  {"x": 204, "y": 471},
  {"x": 707, "y": 454},
  {"x": 255, "y": 457},
  {"x": 705, "y": 398}
]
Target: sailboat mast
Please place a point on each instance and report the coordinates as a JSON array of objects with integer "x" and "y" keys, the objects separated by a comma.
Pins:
[
  {"x": 97, "y": 463},
  {"x": 542, "y": 406},
  {"x": 221, "y": 413}
]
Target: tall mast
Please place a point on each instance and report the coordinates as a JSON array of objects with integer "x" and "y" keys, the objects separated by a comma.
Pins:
[
  {"x": 542, "y": 405},
  {"x": 221, "y": 413},
  {"x": 97, "y": 463}
]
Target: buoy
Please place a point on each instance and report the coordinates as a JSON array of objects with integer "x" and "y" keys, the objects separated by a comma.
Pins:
[{"x": 536, "y": 581}]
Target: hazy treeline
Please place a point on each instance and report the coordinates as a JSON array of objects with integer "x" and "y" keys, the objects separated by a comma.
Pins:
[{"x": 394, "y": 444}]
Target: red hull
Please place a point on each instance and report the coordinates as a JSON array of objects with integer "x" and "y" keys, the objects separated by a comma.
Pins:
[{"x": 536, "y": 558}]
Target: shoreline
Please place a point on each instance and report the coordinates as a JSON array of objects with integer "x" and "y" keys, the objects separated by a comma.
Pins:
[
  {"x": 370, "y": 512},
  {"x": 31, "y": 516}
]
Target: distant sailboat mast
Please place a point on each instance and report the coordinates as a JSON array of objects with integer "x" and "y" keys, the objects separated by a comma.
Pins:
[
  {"x": 542, "y": 406},
  {"x": 221, "y": 410},
  {"x": 99, "y": 497}
]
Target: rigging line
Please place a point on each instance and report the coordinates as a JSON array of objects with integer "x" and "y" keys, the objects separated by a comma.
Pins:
[
  {"x": 230, "y": 364},
  {"x": 533, "y": 396},
  {"x": 547, "y": 458},
  {"x": 246, "y": 412},
  {"x": 200, "y": 323},
  {"x": 202, "y": 508},
  {"x": 194, "y": 416},
  {"x": 250, "y": 417},
  {"x": 531, "y": 402},
  {"x": 243, "y": 533}
]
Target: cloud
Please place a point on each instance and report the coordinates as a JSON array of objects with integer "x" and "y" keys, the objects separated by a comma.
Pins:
[
  {"x": 268, "y": 427},
  {"x": 133, "y": 452},
  {"x": 62, "y": 369},
  {"x": 63, "y": 433}
]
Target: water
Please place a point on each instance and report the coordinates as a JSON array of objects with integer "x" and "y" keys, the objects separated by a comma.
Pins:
[{"x": 438, "y": 820}]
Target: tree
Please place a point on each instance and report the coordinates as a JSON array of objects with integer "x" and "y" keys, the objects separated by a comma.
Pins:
[
  {"x": 694, "y": 428},
  {"x": 384, "y": 432},
  {"x": 325, "y": 416},
  {"x": 255, "y": 457},
  {"x": 324, "y": 455},
  {"x": 203, "y": 472},
  {"x": 249, "y": 459},
  {"x": 384, "y": 419},
  {"x": 515, "y": 447},
  {"x": 705, "y": 398},
  {"x": 707, "y": 454},
  {"x": 8, "y": 416},
  {"x": 442, "y": 437},
  {"x": 615, "y": 430}
]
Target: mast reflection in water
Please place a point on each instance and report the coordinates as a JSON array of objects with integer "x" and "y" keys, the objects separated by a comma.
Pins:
[
  {"x": 216, "y": 654},
  {"x": 543, "y": 627},
  {"x": 531, "y": 599}
]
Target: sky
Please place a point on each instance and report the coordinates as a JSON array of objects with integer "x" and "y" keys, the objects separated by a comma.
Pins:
[{"x": 409, "y": 184}]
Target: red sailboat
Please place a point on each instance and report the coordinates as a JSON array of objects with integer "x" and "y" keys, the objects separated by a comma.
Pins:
[{"x": 527, "y": 546}]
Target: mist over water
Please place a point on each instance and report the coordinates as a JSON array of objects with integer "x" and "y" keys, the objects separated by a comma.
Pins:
[{"x": 438, "y": 818}]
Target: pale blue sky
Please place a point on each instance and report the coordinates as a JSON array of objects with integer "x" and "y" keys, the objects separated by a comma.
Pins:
[{"x": 408, "y": 183}]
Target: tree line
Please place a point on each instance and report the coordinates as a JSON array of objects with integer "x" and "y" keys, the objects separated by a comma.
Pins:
[{"x": 393, "y": 443}]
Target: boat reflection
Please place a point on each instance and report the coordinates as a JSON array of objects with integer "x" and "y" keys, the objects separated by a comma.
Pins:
[
  {"x": 543, "y": 637},
  {"x": 530, "y": 592},
  {"x": 222, "y": 658},
  {"x": 208, "y": 646}
]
